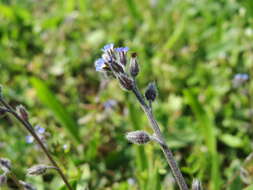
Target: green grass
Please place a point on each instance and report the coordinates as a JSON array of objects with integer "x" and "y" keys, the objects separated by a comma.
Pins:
[{"x": 192, "y": 49}]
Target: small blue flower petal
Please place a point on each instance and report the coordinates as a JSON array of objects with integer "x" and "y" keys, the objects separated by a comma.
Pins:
[
  {"x": 107, "y": 47},
  {"x": 40, "y": 129},
  {"x": 122, "y": 49},
  {"x": 125, "y": 49},
  {"x": 245, "y": 76},
  {"x": 29, "y": 139},
  {"x": 100, "y": 64}
]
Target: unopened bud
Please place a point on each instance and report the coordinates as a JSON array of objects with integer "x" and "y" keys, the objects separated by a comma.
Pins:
[
  {"x": 245, "y": 176},
  {"x": 196, "y": 185},
  {"x": 5, "y": 165},
  {"x": 39, "y": 169},
  {"x": 22, "y": 112},
  {"x": 3, "y": 180},
  {"x": 134, "y": 66},
  {"x": 126, "y": 82},
  {"x": 150, "y": 93},
  {"x": 27, "y": 186},
  {"x": 138, "y": 137}
]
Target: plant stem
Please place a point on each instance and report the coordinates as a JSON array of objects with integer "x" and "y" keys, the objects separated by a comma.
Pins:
[
  {"x": 166, "y": 150},
  {"x": 29, "y": 128}
]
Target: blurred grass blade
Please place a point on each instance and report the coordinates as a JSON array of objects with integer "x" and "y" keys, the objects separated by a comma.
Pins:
[
  {"x": 207, "y": 127},
  {"x": 51, "y": 101},
  {"x": 141, "y": 156},
  {"x": 132, "y": 7},
  {"x": 175, "y": 35}
]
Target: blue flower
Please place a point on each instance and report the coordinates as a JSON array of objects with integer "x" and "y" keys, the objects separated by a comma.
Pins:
[
  {"x": 107, "y": 47},
  {"x": 122, "y": 49},
  {"x": 39, "y": 129},
  {"x": 240, "y": 79},
  {"x": 29, "y": 139},
  {"x": 100, "y": 64},
  {"x": 241, "y": 76}
]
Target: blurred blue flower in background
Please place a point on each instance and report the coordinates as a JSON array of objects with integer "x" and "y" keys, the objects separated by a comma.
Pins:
[{"x": 240, "y": 79}]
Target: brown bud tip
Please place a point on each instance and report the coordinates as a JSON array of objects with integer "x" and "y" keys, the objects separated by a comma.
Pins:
[
  {"x": 22, "y": 112},
  {"x": 133, "y": 55},
  {"x": 138, "y": 137}
]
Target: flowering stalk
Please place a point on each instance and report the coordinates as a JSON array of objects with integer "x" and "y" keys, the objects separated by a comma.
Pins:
[
  {"x": 166, "y": 150},
  {"x": 22, "y": 116},
  {"x": 113, "y": 62}
]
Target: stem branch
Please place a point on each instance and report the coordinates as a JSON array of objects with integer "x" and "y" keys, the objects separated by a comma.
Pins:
[
  {"x": 29, "y": 128},
  {"x": 166, "y": 150}
]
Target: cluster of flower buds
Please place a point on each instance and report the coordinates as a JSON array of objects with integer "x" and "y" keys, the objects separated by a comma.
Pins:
[
  {"x": 114, "y": 62},
  {"x": 138, "y": 137},
  {"x": 239, "y": 79},
  {"x": 39, "y": 169}
]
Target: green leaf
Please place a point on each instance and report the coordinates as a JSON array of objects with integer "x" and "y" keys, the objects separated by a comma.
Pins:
[
  {"x": 60, "y": 112},
  {"x": 231, "y": 140}
]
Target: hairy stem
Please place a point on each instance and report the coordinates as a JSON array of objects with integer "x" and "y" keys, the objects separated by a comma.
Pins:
[
  {"x": 166, "y": 150},
  {"x": 30, "y": 129}
]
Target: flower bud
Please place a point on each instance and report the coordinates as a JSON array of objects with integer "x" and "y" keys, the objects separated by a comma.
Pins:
[
  {"x": 22, "y": 112},
  {"x": 38, "y": 169},
  {"x": 196, "y": 185},
  {"x": 5, "y": 165},
  {"x": 27, "y": 186},
  {"x": 134, "y": 66},
  {"x": 150, "y": 93},
  {"x": 126, "y": 82},
  {"x": 3, "y": 179},
  {"x": 138, "y": 137}
]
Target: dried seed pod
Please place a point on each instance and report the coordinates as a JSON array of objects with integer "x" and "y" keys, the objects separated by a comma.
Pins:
[
  {"x": 138, "y": 137},
  {"x": 22, "y": 112},
  {"x": 134, "y": 66},
  {"x": 196, "y": 185},
  {"x": 151, "y": 92},
  {"x": 5, "y": 164},
  {"x": 38, "y": 169}
]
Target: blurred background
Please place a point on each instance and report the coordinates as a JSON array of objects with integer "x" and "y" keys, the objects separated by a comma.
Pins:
[{"x": 200, "y": 55}]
